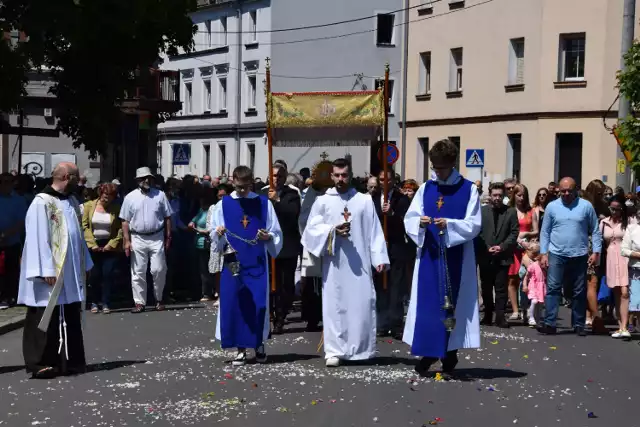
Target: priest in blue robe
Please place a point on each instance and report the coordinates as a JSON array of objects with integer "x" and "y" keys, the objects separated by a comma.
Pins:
[
  {"x": 443, "y": 220},
  {"x": 245, "y": 228}
]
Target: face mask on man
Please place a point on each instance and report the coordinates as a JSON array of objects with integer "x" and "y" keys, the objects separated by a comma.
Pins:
[{"x": 144, "y": 185}]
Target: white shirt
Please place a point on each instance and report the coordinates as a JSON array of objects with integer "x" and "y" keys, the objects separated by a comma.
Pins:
[
  {"x": 145, "y": 213},
  {"x": 388, "y": 197},
  {"x": 631, "y": 243},
  {"x": 101, "y": 222}
]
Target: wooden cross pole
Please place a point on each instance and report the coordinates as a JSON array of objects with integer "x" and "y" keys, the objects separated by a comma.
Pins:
[
  {"x": 267, "y": 89},
  {"x": 385, "y": 162}
]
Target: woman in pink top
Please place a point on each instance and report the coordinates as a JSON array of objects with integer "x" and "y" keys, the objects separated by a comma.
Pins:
[{"x": 617, "y": 266}]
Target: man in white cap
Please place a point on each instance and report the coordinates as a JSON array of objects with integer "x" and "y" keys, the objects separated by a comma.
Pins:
[{"x": 146, "y": 227}]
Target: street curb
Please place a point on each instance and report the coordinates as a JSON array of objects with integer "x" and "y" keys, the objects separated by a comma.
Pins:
[{"x": 12, "y": 324}]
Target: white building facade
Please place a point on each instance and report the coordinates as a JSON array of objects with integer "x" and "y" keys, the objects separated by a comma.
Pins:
[{"x": 222, "y": 92}]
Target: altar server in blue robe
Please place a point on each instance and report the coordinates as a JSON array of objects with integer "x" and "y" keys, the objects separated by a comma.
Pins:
[
  {"x": 246, "y": 224},
  {"x": 451, "y": 204}
]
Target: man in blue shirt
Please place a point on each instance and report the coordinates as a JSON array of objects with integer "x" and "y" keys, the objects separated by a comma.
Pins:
[
  {"x": 564, "y": 247},
  {"x": 14, "y": 211}
]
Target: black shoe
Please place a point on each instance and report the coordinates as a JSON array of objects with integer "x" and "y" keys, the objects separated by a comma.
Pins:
[
  {"x": 487, "y": 320},
  {"x": 501, "y": 322},
  {"x": 313, "y": 327},
  {"x": 422, "y": 368},
  {"x": 580, "y": 331},
  {"x": 450, "y": 361},
  {"x": 278, "y": 328},
  {"x": 545, "y": 329},
  {"x": 397, "y": 334}
]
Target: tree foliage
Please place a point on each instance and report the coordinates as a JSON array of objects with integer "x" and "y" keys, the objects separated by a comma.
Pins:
[
  {"x": 629, "y": 84},
  {"x": 93, "y": 51}
]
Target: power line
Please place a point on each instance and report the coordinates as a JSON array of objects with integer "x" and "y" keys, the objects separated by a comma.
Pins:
[
  {"x": 310, "y": 27},
  {"x": 351, "y": 34}
]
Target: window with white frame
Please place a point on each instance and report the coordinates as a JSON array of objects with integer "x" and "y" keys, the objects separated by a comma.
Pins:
[
  {"x": 251, "y": 88},
  {"x": 253, "y": 25},
  {"x": 384, "y": 28},
  {"x": 207, "y": 95},
  {"x": 206, "y": 148},
  {"x": 516, "y": 61},
  {"x": 221, "y": 89},
  {"x": 571, "y": 57},
  {"x": 222, "y": 94},
  {"x": 188, "y": 98},
  {"x": 251, "y": 155},
  {"x": 424, "y": 83},
  {"x": 207, "y": 34},
  {"x": 222, "y": 148},
  {"x": 223, "y": 31},
  {"x": 379, "y": 83},
  {"x": 455, "y": 77}
]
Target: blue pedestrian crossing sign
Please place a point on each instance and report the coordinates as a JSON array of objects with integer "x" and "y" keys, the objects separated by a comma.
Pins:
[
  {"x": 475, "y": 158},
  {"x": 181, "y": 154}
]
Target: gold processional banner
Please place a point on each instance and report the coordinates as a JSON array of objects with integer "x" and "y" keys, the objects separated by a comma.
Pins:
[{"x": 331, "y": 109}]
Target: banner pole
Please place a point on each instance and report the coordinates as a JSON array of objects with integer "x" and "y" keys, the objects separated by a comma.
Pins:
[
  {"x": 270, "y": 156},
  {"x": 385, "y": 162}
]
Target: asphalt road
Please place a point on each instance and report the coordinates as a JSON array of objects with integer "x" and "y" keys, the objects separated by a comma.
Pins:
[{"x": 165, "y": 369}]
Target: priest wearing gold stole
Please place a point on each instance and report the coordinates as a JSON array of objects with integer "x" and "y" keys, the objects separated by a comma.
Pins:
[
  {"x": 344, "y": 230},
  {"x": 443, "y": 219},
  {"x": 55, "y": 261}
]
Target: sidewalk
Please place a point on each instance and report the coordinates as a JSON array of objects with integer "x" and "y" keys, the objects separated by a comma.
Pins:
[{"x": 11, "y": 318}]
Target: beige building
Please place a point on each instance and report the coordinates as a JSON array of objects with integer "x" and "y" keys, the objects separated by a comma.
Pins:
[{"x": 528, "y": 81}]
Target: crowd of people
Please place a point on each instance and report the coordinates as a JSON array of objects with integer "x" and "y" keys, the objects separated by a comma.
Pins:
[{"x": 566, "y": 245}]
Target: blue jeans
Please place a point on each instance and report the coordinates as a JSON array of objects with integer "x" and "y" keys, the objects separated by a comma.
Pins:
[
  {"x": 102, "y": 277},
  {"x": 573, "y": 272}
]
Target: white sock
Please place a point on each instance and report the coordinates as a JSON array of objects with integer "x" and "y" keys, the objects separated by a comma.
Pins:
[{"x": 532, "y": 309}]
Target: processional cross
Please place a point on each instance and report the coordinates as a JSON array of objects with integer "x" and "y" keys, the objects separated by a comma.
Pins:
[
  {"x": 346, "y": 214},
  {"x": 245, "y": 221}
]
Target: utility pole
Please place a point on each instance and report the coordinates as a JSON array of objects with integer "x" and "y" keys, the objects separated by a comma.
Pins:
[
  {"x": 624, "y": 106},
  {"x": 20, "y": 134},
  {"x": 405, "y": 63}
]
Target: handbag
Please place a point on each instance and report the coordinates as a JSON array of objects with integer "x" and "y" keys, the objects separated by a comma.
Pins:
[{"x": 604, "y": 293}]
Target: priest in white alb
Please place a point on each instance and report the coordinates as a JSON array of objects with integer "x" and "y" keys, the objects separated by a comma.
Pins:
[
  {"x": 55, "y": 261},
  {"x": 245, "y": 228},
  {"x": 343, "y": 228},
  {"x": 443, "y": 220}
]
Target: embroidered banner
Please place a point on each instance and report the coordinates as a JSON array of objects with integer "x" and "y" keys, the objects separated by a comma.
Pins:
[{"x": 326, "y": 109}]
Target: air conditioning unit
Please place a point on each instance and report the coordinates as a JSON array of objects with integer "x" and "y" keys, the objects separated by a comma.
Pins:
[{"x": 48, "y": 112}]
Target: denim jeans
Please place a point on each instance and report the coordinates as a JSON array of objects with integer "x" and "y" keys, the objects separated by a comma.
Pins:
[
  {"x": 102, "y": 277},
  {"x": 573, "y": 272}
]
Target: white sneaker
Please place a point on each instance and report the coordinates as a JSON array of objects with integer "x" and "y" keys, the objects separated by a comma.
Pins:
[
  {"x": 532, "y": 322},
  {"x": 332, "y": 362},
  {"x": 624, "y": 334},
  {"x": 261, "y": 354},
  {"x": 241, "y": 359},
  {"x": 515, "y": 316}
]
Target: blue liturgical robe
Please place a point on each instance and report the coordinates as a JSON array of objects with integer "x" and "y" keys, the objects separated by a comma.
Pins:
[
  {"x": 457, "y": 201},
  {"x": 243, "y": 318}
]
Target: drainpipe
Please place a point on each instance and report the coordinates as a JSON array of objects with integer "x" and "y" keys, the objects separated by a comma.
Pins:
[
  {"x": 239, "y": 80},
  {"x": 405, "y": 62}
]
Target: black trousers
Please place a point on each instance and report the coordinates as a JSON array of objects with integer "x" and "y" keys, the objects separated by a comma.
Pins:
[
  {"x": 40, "y": 349},
  {"x": 389, "y": 302},
  {"x": 9, "y": 283},
  {"x": 206, "y": 278},
  {"x": 494, "y": 276},
  {"x": 285, "y": 287},
  {"x": 312, "y": 300}
]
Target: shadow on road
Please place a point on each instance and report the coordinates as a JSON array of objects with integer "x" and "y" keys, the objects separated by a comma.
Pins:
[
  {"x": 384, "y": 361},
  {"x": 109, "y": 366},
  {"x": 473, "y": 374},
  {"x": 94, "y": 367},
  {"x": 10, "y": 369}
]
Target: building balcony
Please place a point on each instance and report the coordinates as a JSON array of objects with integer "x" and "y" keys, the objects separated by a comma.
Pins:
[
  {"x": 155, "y": 91},
  {"x": 207, "y": 3}
]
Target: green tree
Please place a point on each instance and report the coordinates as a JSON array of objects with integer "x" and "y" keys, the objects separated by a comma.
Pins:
[
  {"x": 93, "y": 50},
  {"x": 629, "y": 83}
]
